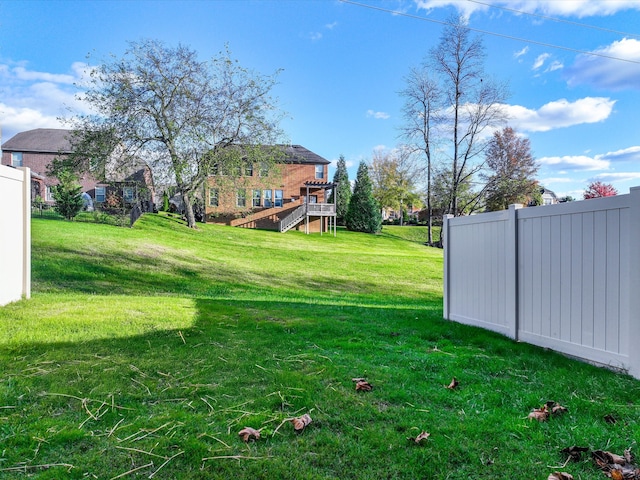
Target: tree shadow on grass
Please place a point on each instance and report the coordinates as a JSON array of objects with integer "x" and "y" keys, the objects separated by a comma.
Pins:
[{"x": 183, "y": 393}]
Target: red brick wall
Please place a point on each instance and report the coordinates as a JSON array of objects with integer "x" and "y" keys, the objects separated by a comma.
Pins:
[
  {"x": 290, "y": 178},
  {"x": 38, "y": 163}
]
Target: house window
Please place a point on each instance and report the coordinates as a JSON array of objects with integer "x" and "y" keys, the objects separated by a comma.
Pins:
[
  {"x": 256, "y": 199},
  {"x": 100, "y": 194},
  {"x": 16, "y": 159},
  {"x": 213, "y": 197},
  {"x": 241, "y": 198},
  {"x": 319, "y": 171},
  {"x": 279, "y": 198},
  {"x": 49, "y": 193},
  {"x": 313, "y": 199},
  {"x": 248, "y": 169},
  {"x": 268, "y": 203},
  {"x": 127, "y": 194},
  {"x": 264, "y": 169}
]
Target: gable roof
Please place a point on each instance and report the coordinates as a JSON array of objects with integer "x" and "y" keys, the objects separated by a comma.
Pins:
[
  {"x": 299, "y": 154},
  {"x": 43, "y": 140},
  {"x": 56, "y": 140}
]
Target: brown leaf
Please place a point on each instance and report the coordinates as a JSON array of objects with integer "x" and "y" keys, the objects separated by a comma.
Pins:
[
  {"x": 247, "y": 433},
  {"x": 301, "y": 422},
  {"x": 364, "y": 386},
  {"x": 575, "y": 452},
  {"x": 454, "y": 383},
  {"x": 423, "y": 436},
  {"x": 616, "y": 474},
  {"x": 560, "y": 476},
  {"x": 539, "y": 414}
]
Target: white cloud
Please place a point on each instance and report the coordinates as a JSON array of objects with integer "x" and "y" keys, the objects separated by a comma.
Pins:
[
  {"x": 555, "y": 65},
  {"x": 631, "y": 154},
  {"x": 564, "y": 8},
  {"x": 577, "y": 162},
  {"x": 540, "y": 61},
  {"x": 520, "y": 53},
  {"x": 617, "y": 177},
  {"x": 331, "y": 26},
  {"x": 15, "y": 120},
  {"x": 33, "y": 99},
  {"x": 608, "y": 72},
  {"x": 378, "y": 115},
  {"x": 560, "y": 114}
]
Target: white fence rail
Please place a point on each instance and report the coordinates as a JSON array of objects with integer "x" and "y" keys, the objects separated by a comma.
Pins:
[
  {"x": 565, "y": 277},
  {"x": 15, "y": 234}
]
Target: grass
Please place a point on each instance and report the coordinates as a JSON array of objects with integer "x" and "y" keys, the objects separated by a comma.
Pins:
[{"x": 143, "y": 352}]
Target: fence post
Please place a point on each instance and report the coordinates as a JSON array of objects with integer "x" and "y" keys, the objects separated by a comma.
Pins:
[
  {"x": 26, "y": 232},
  {"x": 444, "y": 234},
  {"x": 634, "y": 283},
  {"x": 511, "y": 267}
]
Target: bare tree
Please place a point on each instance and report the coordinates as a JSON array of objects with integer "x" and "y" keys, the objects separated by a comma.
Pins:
[
  {"x": 180, "y": 114},
  {"x": 422, "y": 113},
  {"x": 472, "y": 102}
]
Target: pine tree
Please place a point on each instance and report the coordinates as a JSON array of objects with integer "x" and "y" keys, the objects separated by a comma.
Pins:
[
  {"x": 68, "y": 195},
  {"x": 341, "y": 178},
  {"x": 363, "y": 214}
]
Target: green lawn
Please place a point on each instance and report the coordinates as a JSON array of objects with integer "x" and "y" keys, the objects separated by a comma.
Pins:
[{"x": 143, "y": 352}]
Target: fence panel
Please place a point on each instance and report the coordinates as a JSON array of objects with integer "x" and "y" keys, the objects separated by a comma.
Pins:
[
  {"x": 586, "y": 312},
  {"x": 479, "y": 283},
  {"x": 15, "y": 234},
  {"x": 573, "y": 268}
]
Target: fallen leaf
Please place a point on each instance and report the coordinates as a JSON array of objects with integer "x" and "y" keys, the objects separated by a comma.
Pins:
[
  {"x": 454, "y": 383},
  {"x": 247, "y": 433},
  {"x": 364, "y": 386},
  {"x": 301, "y": 422},
  {"x": 539, "y": 414},
  {"x": 556, "y": 408},
  {"x": 575, "y": 452},
  {"x": 560, "y": 476},
  {"x": 616, "y": 474},
  {"x": 616, "y": 466},
  {"x": 423, "y": 436}
]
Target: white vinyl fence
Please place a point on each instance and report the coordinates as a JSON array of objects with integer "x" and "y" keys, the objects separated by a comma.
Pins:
[
  {"x": 564, "y": 277},
  {"x": 15, "y": 234}
]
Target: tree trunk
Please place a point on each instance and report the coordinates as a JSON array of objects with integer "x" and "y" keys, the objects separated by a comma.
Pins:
[{"x": 188, "y": 210}]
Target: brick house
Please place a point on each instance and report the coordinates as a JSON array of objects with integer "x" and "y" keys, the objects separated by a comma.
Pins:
[
  {"x": 37, "y": 148},
  {"x": 294, "y": 194}
]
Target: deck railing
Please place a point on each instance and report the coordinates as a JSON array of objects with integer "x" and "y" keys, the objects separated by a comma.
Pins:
[
  {"x": 292, "y": 219},
  {"x": 321, "y": 209}
]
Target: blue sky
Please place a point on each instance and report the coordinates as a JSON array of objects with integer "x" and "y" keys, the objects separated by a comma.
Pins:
[{"x": 343, "y": 65}]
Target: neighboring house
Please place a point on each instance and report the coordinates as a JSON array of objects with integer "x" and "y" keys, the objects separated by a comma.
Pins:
[
  {"x": 294, "y": 194},
  {"x": 389, "y": 214},
  {"x": 37, "y": 148},
  {"x": 548, "y": 197}
]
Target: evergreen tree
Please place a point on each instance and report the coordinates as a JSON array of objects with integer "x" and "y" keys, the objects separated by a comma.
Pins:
[
  {"x": 68, "y": 195},
  {"x": 341, "y": 177},
  {"x": 364, "y": 212}
]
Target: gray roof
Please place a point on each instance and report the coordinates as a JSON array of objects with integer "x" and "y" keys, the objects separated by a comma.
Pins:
[
  {"x": 299, "y": 154},
  {"x": 43, "y": 140},
  {"x": 56, "y": 140}
]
